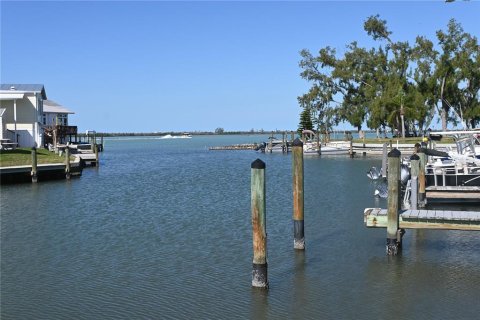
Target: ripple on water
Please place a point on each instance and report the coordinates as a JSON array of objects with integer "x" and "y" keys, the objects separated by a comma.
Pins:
[{"x": 167, "y": 235}]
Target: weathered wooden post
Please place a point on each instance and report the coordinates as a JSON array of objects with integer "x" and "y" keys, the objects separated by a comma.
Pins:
[
  {"x": 350, "y": 150},
  {"x": 101, "y": 142},
  {"x": 298, "y": 222},
  {"x": 55, "y": 138},
  {"x": 259, "y": 225},
  {"x": 34, "y": 165},
  {"x": 93, "y": 142},
  {"x": 393, "y": 232},
  {"x": 67, "y": 163},
  {"x": 421, "y": 179},
  {"x": 414, "y": 171},
  {"x": 318, "y": 141},
  {"x": 384, "y": 160},
  {"x": 292, "y": 137},
  {"x": 97, "y": 162}
]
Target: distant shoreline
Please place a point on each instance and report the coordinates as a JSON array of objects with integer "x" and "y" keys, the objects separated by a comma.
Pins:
[{"x": 201, "y": 133}]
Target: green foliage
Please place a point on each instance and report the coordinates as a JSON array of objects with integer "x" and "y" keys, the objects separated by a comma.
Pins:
[
  {"x": 395, "y": 83},
  {"x": 305, "y": 121}
]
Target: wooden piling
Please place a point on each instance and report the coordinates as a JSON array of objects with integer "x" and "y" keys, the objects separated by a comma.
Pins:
[
  {"x": 270, "y": 143},
  {"x": 393, "y": 241},
  {"x": 384, "y": 160},
  {"x": 421, "y": 179},
  {"x": 298, "y": 217},
  {"x": 292, "y": 136},
  {"x": 318, "y": 141},
  {"x": 350, "y": 150},
  {"x": 284, "y": 143},
  {"x": 414, "y": 171},
  {"x": 67, "y": 163},
  {"x": 259, "y": 225},
  {"x": 34, "y": 165},
  {"x": 97, "y": 161}
]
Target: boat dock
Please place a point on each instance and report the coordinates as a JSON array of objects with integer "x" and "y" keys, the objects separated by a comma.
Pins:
[
  {"x": 453, "y": 193},
  {"x": 425, "y": 219},
  {"x": 49, "y": 171},
  {"x": 245, "y": 146},
  {"x": 395, "y": 219}
]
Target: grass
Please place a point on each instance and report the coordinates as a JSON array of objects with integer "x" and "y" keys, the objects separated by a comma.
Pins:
[{"x": 23, "y": 156}]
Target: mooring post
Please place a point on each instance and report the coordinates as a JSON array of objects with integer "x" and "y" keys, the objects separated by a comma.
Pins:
[
  {"x": 393, "y": 239},
  {"x": 298, "y": 225},
  {"x": 414, "y": 171},
  {"x": 284, "y": 143},
  {"x": 34, "y": 165},
  {"x": 350, "y": 151},
  {"x": 292, "y": 136},
  {"x": 318, "y": 141},
  {"x": 421, "y": 179},
  {"x": 67, "y": 163},
  {"x": 97, "y": 162},
  {"x": 259, "y": 225},
  {"x": 93, "y": 142},
  {"x": 384, "y": 160}
]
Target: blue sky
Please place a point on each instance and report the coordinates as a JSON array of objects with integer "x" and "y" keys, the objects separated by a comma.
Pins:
[{"x": 187, "y": 66}]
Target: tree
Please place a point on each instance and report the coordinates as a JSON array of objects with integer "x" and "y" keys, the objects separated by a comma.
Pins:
[
  {"x": 458, "y": 75},
  {"x": 219, "y": 131},
  {"x": 305, "y": 121},
  {"x": 395, "y": 85}
]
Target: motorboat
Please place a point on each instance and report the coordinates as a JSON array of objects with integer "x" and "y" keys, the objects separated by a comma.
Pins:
[
  {"x": 185, "y": 135},
  {"x": 313, "y": 145},
  {"x": 460, "y": 167},
  {"x": 275, "y": 145}
]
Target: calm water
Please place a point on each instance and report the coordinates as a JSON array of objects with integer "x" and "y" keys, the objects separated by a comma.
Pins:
[{"x": 162, "y": 231}]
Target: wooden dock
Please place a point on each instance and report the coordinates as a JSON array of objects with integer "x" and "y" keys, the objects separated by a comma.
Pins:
[
  {"x": 49, "y": 171},
  {"x": 456, "y": 193},
  {"x": 425, "y": 219},
  {"x": 246, "y": 146}
]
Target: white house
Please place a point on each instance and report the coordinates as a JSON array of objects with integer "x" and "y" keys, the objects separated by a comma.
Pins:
[
  {"x": 22, "y": 117},
  {"x": 3, "y": 124},
  {"x": 55, "y": 114}
]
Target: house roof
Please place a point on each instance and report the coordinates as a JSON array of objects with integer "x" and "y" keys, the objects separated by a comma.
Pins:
[
  {"x": 50, "y": 106},
  {"x": 24, "y": 87}
]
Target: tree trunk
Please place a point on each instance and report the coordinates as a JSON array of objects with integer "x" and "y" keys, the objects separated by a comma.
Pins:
[{"x": 444, "y": 110}]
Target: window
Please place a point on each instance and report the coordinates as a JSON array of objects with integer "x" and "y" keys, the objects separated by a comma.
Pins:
[
  {"x": 44, "y": 119},
  {"x": 62, "y": 119}
]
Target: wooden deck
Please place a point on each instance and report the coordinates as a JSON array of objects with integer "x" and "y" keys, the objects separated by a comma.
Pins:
[
  {"x": 463, "y": 193},
  {"x": 425, "y": 219}
]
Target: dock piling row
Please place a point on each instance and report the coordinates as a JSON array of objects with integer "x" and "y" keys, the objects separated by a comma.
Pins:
[
  {"x": 259, "y": 226},
  {"x": 393, "y": 236},
  {"x": 97, "y": 163},
  {"x": 384, "y": 160},
  {"x": 414, "y": 172},
  {"x": 67, "y": 163},
  {"x": 298, "y": 198},
  {"x": 34, "y": 165},
  {"x": 421, "y": 179}
]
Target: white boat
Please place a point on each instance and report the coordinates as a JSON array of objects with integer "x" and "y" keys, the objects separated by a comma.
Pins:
[
  {"x": 185, "y": 135},
  {"x": 311, "y": 146},
  {"x": 334, "y": 149},
  {"x": 459, "y": 167},
  {"x": 275, "y": 145},
  {"x": 182, "y": 136}
]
